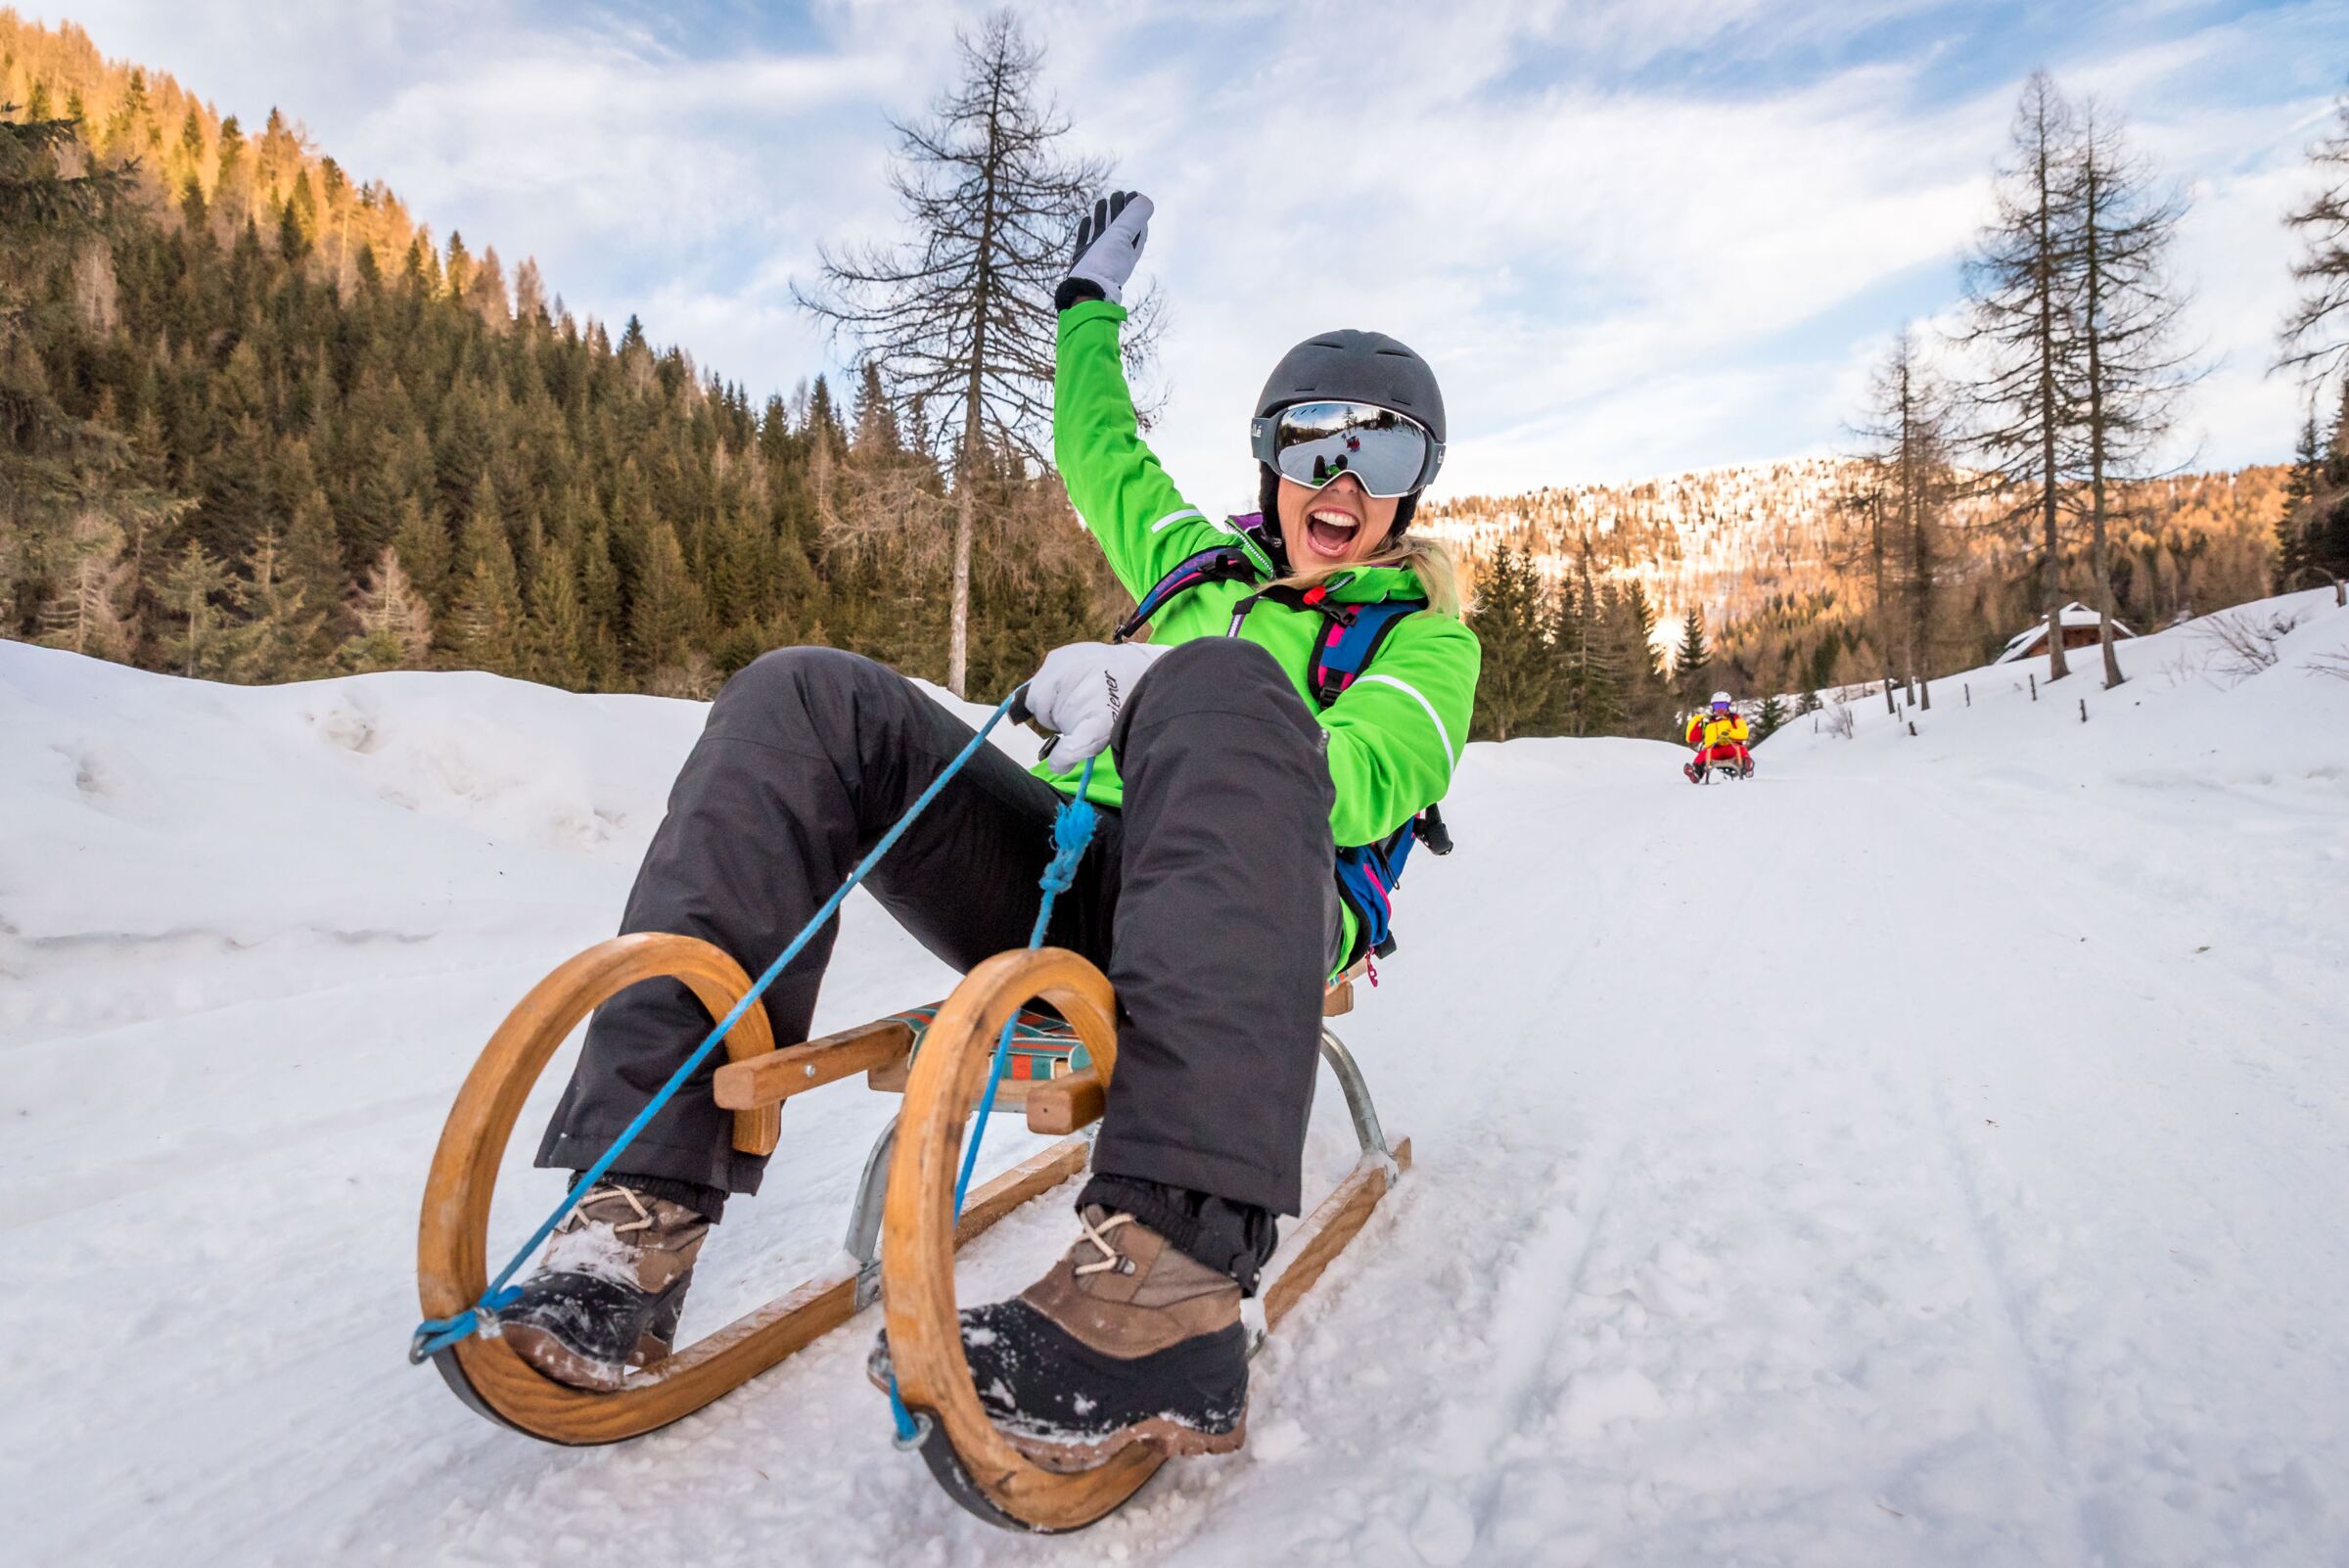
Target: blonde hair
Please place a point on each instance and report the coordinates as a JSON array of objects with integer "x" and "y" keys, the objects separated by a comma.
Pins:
[{"x": 1423, "y": 558}]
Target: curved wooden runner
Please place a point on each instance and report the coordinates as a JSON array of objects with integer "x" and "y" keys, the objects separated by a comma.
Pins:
[
  {"x": 918, "y": 1234},
  {"x": 985, "y": 1472},
  {"x": 452, "y": 1239}
]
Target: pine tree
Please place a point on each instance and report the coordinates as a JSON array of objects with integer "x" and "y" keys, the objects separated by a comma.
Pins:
[
  {"x": 1598, "y": 668},
  {"x": 555, "y": 639},
  {"x": 1772, "y": 718},
  {"x": 665, "y": 621},
  {"x": 189, "y": 589},
  {"x": 1518, "y": 679},
  {"x": 421, "y": 540},
  {"x": 1692, "y": 661},
  {"x": 483, "y": 626},
  {"x": 2293, "y": 521},
  {"x": 279, "y": 637},
  {"x": 600, "y": 603}
]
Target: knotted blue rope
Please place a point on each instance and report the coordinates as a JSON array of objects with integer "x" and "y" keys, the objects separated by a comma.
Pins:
[
  {"x": 438, "y": 1333},
  {"x": 1071, "y": 830}
]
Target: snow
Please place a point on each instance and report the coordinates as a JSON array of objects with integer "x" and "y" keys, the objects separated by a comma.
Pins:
[{"x": 1930, "y": 1152}]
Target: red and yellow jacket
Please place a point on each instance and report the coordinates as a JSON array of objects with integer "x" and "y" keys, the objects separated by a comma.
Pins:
[{"x": 1709, "y": 729}]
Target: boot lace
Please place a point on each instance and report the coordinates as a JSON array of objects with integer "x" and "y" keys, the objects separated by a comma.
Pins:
[
  {"x": 1111, "y": 1259},
  {"x": 644, "y": 1219}
]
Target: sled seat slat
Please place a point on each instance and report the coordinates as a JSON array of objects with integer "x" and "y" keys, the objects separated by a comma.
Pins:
[
  {"x": 777, "y": 1076},
  {"x": 1042, "y": 1048},
  {"x": 1046, "y": 1056}
]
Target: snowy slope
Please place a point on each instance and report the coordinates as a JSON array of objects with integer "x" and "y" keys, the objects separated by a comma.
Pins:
[{"x": 1929, "y": 1153}]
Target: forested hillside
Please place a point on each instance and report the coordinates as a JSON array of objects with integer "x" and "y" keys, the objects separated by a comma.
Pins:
[
  {"x": 263, "y": 425},
  {"x": 1797, "y": 585}
]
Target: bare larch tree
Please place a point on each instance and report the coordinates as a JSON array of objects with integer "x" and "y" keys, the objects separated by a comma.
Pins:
[
  {"x": 957, "y": 320},
  {"x": 2020, "y": 329},
  {"x": 2315, "y": 334},
  {"x": 1906, "y": 453},
  {"x": 2126, "y": 309}
]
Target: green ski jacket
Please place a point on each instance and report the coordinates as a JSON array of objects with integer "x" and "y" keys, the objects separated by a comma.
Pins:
[{"x": 1395, "y": 735}]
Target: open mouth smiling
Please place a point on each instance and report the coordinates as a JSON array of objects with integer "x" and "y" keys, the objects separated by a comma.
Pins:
[{"x": 1331, "y": 528}]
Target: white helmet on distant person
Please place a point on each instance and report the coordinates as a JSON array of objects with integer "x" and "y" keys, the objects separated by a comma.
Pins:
[{"x": 1721, "y": 702}]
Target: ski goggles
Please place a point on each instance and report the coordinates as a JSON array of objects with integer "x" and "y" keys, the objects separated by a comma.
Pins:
[{"x": 1387, "y": 453}]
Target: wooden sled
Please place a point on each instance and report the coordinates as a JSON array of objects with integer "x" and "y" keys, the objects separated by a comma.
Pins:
[{"x": 902, "y": 1234}]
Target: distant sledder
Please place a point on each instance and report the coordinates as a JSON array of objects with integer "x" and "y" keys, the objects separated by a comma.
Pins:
[{"x": 1718, "y": 735}]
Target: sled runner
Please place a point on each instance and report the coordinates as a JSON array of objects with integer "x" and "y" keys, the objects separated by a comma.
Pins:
[{"x": 903, "y": 1233}]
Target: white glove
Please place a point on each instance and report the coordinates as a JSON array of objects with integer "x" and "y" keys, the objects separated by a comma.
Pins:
[
  {"x": 1077, "y": 693},
  {"x": 1109, "y": 242}
]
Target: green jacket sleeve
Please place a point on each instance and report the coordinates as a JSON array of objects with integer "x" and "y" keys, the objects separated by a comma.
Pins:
[
  {"x": 1397, "y": 731},
  {"x": 1114, "y": 481}
]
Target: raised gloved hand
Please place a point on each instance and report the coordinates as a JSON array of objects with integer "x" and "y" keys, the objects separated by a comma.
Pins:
[
  {"x": 1109, "y": 242},
  {"x": 1076, "y": 695}
]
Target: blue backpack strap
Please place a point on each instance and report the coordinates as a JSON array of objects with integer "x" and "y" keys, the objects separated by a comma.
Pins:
[
  {"x": 1350, "y": 639},
  {"x": 1222, "y": 563}
]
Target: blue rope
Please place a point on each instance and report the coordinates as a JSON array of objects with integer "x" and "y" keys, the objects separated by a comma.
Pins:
[
  {"x": 1071, "y": 830},
  {"x": 438, "y": 1333}
]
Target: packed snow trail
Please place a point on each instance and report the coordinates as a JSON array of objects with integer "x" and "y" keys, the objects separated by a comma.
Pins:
[{"x": 1929, "y": 1152}]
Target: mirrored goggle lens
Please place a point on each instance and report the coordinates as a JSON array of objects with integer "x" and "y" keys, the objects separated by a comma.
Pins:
[{"x": 1314, "y": 443}]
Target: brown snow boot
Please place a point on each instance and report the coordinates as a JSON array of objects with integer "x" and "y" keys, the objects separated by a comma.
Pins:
[
  {"x": 607, "y": 1292},
  {"x": 1127, "y": 1340}
]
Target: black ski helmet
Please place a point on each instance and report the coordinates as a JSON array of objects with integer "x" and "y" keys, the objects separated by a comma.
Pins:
[{"x": 1355, "y": 367}]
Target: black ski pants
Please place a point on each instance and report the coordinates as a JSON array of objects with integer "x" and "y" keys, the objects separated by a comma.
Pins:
[{"x": 1208, "y": 898}]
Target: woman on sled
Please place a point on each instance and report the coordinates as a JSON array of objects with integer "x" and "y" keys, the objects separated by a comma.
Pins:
[{"x": 1232, "y": 764}]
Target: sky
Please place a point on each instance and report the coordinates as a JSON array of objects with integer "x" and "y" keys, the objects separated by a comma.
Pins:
[{"x": 1633, "y": 237}]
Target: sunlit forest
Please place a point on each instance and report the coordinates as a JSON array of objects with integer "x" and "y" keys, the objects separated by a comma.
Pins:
[{"x": 265, "y": 425}]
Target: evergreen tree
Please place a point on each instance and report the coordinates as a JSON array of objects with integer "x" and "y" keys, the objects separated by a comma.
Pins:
[
  {"x": 664, "y": 621},
  {"x": 279, "y": 636},
  {"x": 1599, "y": 677},
  {"x": 1518, "y": 679},
  {"x": 555, "y": 639},
  {"x": 421, "y": 540},
  {"x": 1692, "y": 661},
  {"x": 2292, "y": 524},
  {"x": 484, "y": 628},
  {"x": 191, "y": 589}
]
